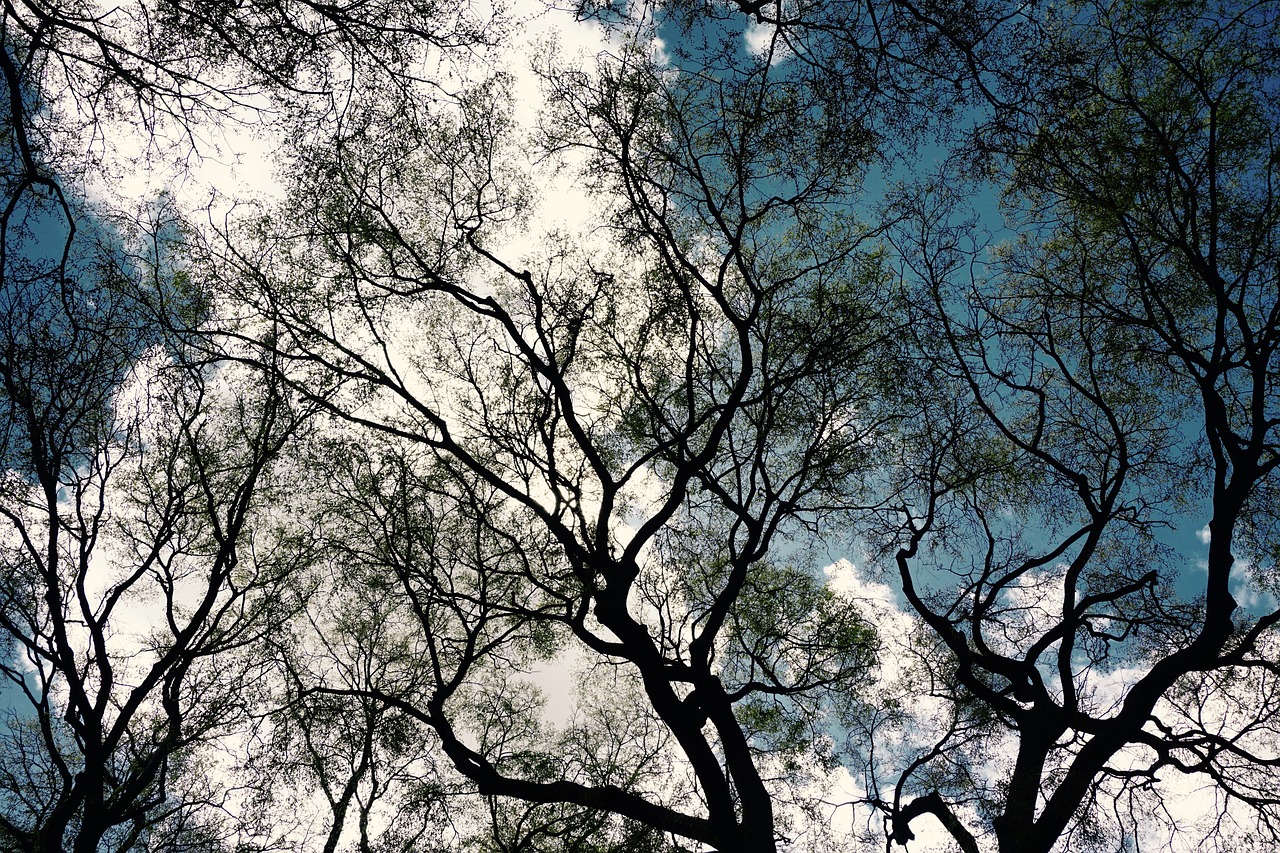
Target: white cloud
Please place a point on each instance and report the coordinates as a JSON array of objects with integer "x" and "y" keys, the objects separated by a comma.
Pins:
[
  {"x": 1246, "y": 591},
  {"x": 763, "y": 39}
]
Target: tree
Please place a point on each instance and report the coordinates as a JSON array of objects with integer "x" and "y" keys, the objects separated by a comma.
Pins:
[
  {"x": 74, "y": 75},
  {"x": 145, "y": 558},
  {"x": 139, "y": 559},
  {"x": 627, "y": 448},
  {"x": 1119, "y": 364},
  {"x": 742, "y": 360},
  {"x": 79, "y": 81},
  {"x": 598, "y": 455}
]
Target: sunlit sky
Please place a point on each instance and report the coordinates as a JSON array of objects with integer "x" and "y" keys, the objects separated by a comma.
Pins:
[{"x": 233, "y": 167}]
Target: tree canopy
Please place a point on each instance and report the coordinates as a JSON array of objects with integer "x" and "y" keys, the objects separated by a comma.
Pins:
[{"x": 641, "y": 427}]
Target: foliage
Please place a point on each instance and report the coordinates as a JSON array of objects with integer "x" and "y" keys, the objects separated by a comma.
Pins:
[{"x": 409, "y": 513}]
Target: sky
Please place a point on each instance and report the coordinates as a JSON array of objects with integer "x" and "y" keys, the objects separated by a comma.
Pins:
[{"x": 237, "y": 163}]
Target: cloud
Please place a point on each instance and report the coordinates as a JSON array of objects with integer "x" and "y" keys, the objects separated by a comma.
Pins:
[{"x": 762, "y": 39}]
